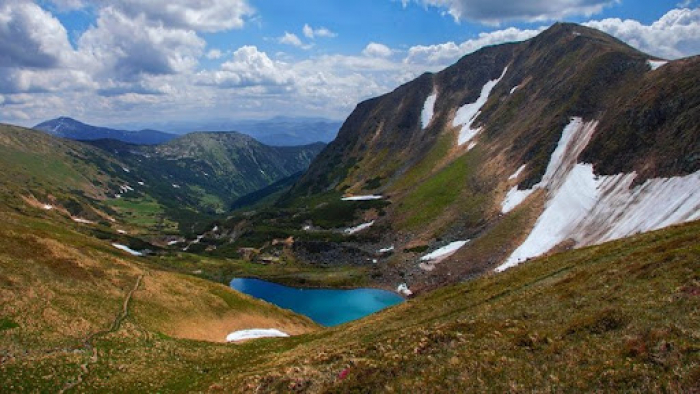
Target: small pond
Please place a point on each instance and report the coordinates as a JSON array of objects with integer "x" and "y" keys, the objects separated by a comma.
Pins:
[{"x": 325, "y": 307}]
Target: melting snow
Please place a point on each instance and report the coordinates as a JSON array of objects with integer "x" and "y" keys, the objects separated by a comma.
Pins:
[
  {"x": 83, "y": 221},
  {"x": 445, "y": 251},
  {"x": 171, "y": 243},
  {"x": 467, "y": 114},
  {"x": 356, "y": 229},
  {"x": 127, "y": 250},
  {"x": 403, "y": 289},
  {"x": 125, "y": 169},
  {"x": 654, "y": 64},
  {"x": 176, "y": 186},
  {"x": 254, "y": 334},
  {"x": 141, "y": 183},
  {"x": 362, "y": 198},
  {"x": 122, "y": 232},
  {"x": 590, "y": 209},
  {"x": 517, "y": 173},
  {"x": 514, "y": 89},
  {"x": 514, "y": 198},
  {"x": 48, "y": 207},
  {"x": 574, "y": 139},
  {"x": 428, "y": 110}
]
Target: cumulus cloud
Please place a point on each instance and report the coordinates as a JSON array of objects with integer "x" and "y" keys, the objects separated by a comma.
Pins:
[
  {"x": 449, "y": 52},
  {"x": 374, "y": 49},
  {"x": 31, "y": 37},
  {"x": 248, "y": 67},
  {"x": 199, "y": 15},
  {"x": 310, "y": 32},
  {"x": 497, "y": 11},
  {"x": 674, "y": 35},
  {"x": 127, "y": 48}
]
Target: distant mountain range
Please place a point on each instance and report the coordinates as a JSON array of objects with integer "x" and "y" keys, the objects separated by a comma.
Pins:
[
  {"x": 277, "y": 131},
  {"x": 75, "y": 130}
]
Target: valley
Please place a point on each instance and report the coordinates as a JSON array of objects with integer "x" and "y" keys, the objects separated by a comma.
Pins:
[{"x": 536, "y": 206}]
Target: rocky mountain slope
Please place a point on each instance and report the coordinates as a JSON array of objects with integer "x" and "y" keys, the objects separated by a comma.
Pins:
[
  {"x": 569, "y": 139},
  {"x": 72, "y": 129}
]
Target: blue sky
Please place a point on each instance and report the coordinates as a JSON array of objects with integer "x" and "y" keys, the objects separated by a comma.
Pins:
[{"x": 144, "y": 63}]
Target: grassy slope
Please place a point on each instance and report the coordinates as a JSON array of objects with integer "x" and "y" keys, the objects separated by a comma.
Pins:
[
  {"x": 59, "y": 287},
  {"x": 622, "y": 316}
]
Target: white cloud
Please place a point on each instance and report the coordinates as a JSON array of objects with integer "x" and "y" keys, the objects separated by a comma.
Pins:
[
  {"x": 248, "y": 67},
  {"x": 495, "y": 12},
  {"x": 31, "y": 37},
  {"x": 374, "y": 49},
  {"x": 214, "y": 54},
  {"x": 199, "y": 15},
  {"x": 447, "y": 53},
  {"x": 310, "y": 32},
  {"x": 290, "y": 39},
  {"x": 674, "y": 35},
  {"x": 126, "y": 48}
]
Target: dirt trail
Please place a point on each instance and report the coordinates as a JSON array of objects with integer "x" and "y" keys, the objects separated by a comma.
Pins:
[{"x": 88, "y": 342}]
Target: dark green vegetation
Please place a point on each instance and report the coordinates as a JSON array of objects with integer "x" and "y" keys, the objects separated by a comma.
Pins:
[{"x": 173, "y": 188}]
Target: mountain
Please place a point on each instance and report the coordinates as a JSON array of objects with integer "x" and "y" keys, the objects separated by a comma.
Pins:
[
  {"x": 569, "y": 139},
  {"x": 174, "y": 187},
  {"x": 286, "y": 131},
  {"x": 207, "y": 172},
  {"x": 277, "y": 131},
  {"x": 75, "y": 130}
]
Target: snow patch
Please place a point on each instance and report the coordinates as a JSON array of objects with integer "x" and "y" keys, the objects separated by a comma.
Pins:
[
  {"x": 125, "y": 169},
  {"x": 445, "y": 251},
  {"x": 573, "y": 141},
  {"x": 467, "y": 114},
  {"x": 404, "y": 290},
  {"x": 517, "y": 173},
  {"x": 83, "y": 221},
  {"x": 176, "y": 186},
  {"x": 386, "y": 250},
  {"x": 514, "y": 89},
  {"x": 356, "y": 229},
  {"x": 514, "y": 198},
  {"x": 141, "y": 183},
  {"x": 47, "y": 207},
  {"x": 128, "y": 250},
  {"x": 122, "y": 232},
  {"x": 654, "y": 64},
  {"x": 362, "y": 198},
  {"x": 428, "y": 110},
  {"x": 590, "y": 210},
  {"x": 244, "y": 335}
]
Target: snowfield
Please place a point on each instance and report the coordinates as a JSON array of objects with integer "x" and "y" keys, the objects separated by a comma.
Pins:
[
  {"x": 654, "y": 64},
  {"x": 357, "y": 229},
  {"x": 128, "y": 250},
  {"x": 428, "y": 110},
  {"x": 244, "y": 335},
  {"x": 589, "y": 209},
  {"x": 361, "y": 198},
  {"x": 467, "y": 114},
  {"x": 573, "y": 141}
]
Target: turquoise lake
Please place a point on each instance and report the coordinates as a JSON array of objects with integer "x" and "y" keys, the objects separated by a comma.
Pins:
[{"x": 325, "y": 307}]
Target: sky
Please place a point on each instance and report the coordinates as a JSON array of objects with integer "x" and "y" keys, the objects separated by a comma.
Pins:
[{"x": 142, "y": 63}]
